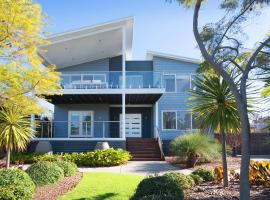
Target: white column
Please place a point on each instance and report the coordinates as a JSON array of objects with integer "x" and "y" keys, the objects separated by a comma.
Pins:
[
  {"x": 156, "y": 119},
  {"x": 123, "y": 82}
]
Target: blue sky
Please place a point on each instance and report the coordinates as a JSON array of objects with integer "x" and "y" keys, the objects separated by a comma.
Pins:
[{"x": 159, "y": 25}]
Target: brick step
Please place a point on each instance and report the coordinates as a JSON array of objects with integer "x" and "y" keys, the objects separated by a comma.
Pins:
[
  {"x": 143, "y": 147},
  {"x": 146, "y": 159},
  {"x": 144, "y": 151},
  {"x": 145, "y": 155}
]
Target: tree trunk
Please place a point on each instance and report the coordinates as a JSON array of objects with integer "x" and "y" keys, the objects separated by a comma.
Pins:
[
  {"x": 245, "y": 152},
  {"x": 224, "y": 159},
  {"x": 8, "y": 158}
]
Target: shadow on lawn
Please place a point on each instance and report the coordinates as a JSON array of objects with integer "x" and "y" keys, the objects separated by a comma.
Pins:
[{"x": 99, "y": 197}]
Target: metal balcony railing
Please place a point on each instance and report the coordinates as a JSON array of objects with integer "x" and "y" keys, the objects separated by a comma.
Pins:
[
  {"x": 111, "y": 80},
  {"x": 77, "y": 129}
]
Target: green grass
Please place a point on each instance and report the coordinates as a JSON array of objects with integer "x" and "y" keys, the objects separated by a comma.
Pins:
[{"x": 104, "y": 186}]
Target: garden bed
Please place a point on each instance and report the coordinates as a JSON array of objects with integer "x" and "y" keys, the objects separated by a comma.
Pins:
[
  {"x": 52, "y": 192},
  {"x": 213, "y": 191},
  {"x": 233, "y": 163}
]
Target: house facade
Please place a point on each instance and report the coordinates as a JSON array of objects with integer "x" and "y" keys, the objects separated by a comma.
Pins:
[{"x": 106, "y": 96}]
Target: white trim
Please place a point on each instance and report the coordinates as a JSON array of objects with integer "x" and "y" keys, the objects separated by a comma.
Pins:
[
  {"x": 126, "y": 19},
  {"x": 133, "y": 105},
  {"x": 81, "y": 112},
  {"x": 175, "y": 111},
  {"x": 78, "y": 139},
  {"x": 151, "y": 54}
]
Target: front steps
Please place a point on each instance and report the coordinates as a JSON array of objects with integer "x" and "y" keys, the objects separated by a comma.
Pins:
[{"x": 144, "y": 149}]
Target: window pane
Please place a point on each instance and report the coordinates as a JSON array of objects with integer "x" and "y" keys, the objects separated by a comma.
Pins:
[
  {"x": 169, "y": 83},
  {"x": 75, "y": 78},
  {"x": 169, "y": 120},
  {"x": 183, "y": 120},
  {"x": 87, "y": 77},
  {"x": 99, "y": 77},
  {"x": 182, "y": 83},
  {"x": 75, "y": 124}
]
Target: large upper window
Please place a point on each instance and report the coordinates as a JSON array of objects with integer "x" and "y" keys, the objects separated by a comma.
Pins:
[
  {"x": 176, "y": 83},
  {"x": 176, "y": 120}
]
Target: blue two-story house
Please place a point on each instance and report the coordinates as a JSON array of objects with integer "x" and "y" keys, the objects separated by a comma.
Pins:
[{"x": 107, "y": 96}]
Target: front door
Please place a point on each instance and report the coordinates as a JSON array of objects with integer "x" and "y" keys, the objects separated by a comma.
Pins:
[{"x": 133, "y": 125}]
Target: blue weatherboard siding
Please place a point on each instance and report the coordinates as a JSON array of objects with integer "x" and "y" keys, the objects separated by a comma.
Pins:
[
  {"x": 101, "y": 113},
  {"x": 172, "y": 101}
]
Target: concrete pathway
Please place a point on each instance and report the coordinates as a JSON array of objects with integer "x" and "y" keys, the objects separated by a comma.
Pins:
[{"x": 139, "y": 167}]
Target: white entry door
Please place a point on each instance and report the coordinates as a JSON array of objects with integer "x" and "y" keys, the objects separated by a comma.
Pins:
[{"x": 133, "y": 125}]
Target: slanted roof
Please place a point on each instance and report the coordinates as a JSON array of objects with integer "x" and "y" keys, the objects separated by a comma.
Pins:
[
  {"x": 151, "y": 54},
  {"x": 89, "y": 43}
]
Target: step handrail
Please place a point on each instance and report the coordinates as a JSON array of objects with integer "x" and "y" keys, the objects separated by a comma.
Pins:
[{"x": 160, "y": 144}]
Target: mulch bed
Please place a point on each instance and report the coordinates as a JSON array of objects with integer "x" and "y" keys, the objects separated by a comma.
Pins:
[
  {"x": 233, "y": 163},
  {"x": 213, "y": 191},
  {"x": 52, "y": 192}
]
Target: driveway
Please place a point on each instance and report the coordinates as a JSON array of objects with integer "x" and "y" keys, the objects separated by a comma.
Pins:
[{"x": 139, "y": 167}]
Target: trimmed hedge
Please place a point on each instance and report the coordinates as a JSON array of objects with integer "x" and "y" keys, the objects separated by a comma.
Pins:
[
  {"x": 69, "y": 168},
  {"x": 97, "y": 158},
  {"x": 206, "y": 175},
  {"x": 45, "y": 173},
  {"x": 185, "y": 182},
  {"x": 159, "y": 185},
  {"x": 197, "y": 179},
  {"x": 15, "y": 184}
]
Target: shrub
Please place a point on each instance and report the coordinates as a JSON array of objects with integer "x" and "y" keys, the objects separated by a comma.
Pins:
[
  {"x": 159, "y": 197},
  {"x": 195, "y": 146},
  {"x": 259, "y": 174},
  {"x": 206, "y": 175},
  {"x": 45, "y": 173},
  {"x": 159, "y": 185},
  {"x": 182, "y": 180},
  {"x": 15, "y": 184},
  {"x": 69, "y": 168},
  {"x": 197, "y": 179},
  {"x": 98, "y": 158}
]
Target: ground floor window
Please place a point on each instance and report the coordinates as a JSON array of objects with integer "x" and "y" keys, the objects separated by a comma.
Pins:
[
  {"x": 178, "y": 120},
  {"x": 80, "y": 123}
]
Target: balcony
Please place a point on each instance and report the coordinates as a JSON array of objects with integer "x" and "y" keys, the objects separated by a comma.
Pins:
[{"x": 111, "y": 80}]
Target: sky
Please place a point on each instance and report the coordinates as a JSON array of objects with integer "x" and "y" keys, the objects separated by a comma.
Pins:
[{"x": 159, "y": 25}]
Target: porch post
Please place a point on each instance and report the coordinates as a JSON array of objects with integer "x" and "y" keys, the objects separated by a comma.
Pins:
[
  {"x": 123, "y": 82},
  {"x": 156, "y": 118}
]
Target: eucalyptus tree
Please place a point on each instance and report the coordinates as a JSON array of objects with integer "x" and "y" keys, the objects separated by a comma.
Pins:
[
  {"x": 215, "y": 107},
  {"x": 222, "y": 45}
]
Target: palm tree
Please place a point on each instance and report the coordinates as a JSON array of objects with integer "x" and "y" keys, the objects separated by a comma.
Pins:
[
  {"x": 215, "y": 107},
  {"x": 15, "y": 131}
]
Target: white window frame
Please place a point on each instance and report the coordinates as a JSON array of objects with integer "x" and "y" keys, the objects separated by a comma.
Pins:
[
  {"x": 175, "y": 111},
  {"x": 80, "y": 134}
]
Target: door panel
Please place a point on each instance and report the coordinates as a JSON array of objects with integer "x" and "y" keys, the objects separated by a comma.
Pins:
[{"x": 133, "y": 125}]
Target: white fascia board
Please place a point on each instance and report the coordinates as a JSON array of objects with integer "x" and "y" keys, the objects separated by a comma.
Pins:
[{"x": 151, "y": 54}]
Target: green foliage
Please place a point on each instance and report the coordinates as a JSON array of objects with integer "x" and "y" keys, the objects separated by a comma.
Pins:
[
  {"x": 197, "y": 179},
  {"x": 159, "y": 185},
  {"x": 259, "y": 174},
  {"x": 159, "y": 197},
  {"x": 45, "y": 173},
  {"x": 97, "y": 158},
  {"x": 206, "y": 175},
  {"x": 185, "y": 182},
  {"x": 198, "y": 144},
  {"x": 15, "y": 184},
  {"x": 69, "y": 168},
  {"x": 214, "y": 104}
]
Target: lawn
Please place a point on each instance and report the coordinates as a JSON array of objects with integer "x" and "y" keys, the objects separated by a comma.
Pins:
[{"x": 101, "y": 186}]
